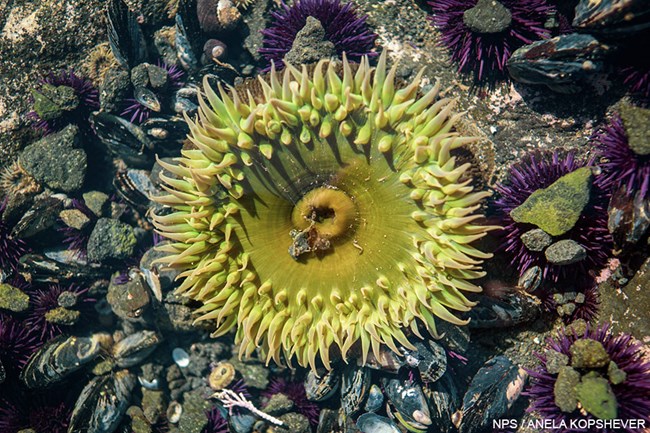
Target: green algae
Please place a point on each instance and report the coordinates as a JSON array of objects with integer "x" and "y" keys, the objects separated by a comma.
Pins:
[{"x": 557, "y": 208}]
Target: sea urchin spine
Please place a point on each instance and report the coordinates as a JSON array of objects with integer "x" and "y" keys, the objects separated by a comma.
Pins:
[{"x": 354, "y": 175}]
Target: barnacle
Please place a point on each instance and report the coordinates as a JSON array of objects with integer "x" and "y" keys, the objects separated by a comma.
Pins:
[{"x": 323, "y": 208}]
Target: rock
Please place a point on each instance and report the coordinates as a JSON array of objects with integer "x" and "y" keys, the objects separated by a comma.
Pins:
[
  {"x": 153, "y": 405},
  {"x": 114, "y": 89},
  {"x": 145, "y": 75},
  {"x": 51, "y": 101},
  {"x": 625, "y": 306},
  {"x": 194, "y": 417},
  {"x": 310, "y": 44},
  {"x": 596, "y": 396},
  {"x": 487, "y": 16},
  {"x": 557, "y": 208},
  {"x": 565, "y": 252},
  {"x": 555, "y": 361},
  {"x": 536, "y": 239},
  {"x": 616, "y": 375},
  {"x": 577, "y": 327},
  {"x": 74, "y": 218},
  {"x": 564, "y": 389},
  {"x": 62, "y": 316},
  {"x": 278, "y": 404},
  {"x": 13, "y": 299},
  {"x": 97, "y": 202},
  {"x": 587, "y": 353},
  {"x": 139, "y": 423},
  {"x": 636, "y": 121},
  {"x": 293, "y": 423},
  {"x": 163, "y": 39},
  {"x": 56, "y": 160},
  {"x": 254, "y": 373},
  {"x": 67, "y": 299},
  {"x": 256, "y": 20},
  {"x": 111, "y": 240}
]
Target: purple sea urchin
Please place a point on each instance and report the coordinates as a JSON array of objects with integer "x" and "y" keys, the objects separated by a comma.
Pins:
[
  {"x": 11, "y": 249},
  {"x": 622, "y": 166},
  {"x": 62, "y": 99},
  {"x": 481, "y": 34},
  {"x": 325, "y": 211},
  {"x": 343, "y": 27},
  {"x": 638, "y": 80},
  {"x": 216, "y": 422},
  {"x": 77, "y": 239},
  {"x": 17, "y": 343},
  {"x": 613, "y": 381},
  {"x": 39, "y": 413},
  {"x": 140, "y": 112},
  {"x": 538, "y": 171},
  {"x": 47, "y": 316},
  {"x": 295, "y": 391}
]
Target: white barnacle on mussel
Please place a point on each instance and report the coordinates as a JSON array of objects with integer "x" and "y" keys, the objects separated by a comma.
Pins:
[
  {"x": 134, "y": 348},
  {"x": 355, "y": 385},
  {"x": 513, "y": 308},
  {"x": 323, "y": 387},
  {"x": 123, "y": 139},
  {"x": 614, "y": 17},
  {"x": 373, "y": 423},
  {"x": 444, "y": 400},
  {"x": 136, "y": 188},
  {"x": 44, "y": 269},
  {"x": 565, "y": 64},
  {"x": 530, "y": 279},
  {"x": 407, "y": 403},
  {"x": 102, "y": 403},
  {"x": 492, "y": 391},
  {"x": 431, "y": 360},
  {"x": 60, "y": 357}
]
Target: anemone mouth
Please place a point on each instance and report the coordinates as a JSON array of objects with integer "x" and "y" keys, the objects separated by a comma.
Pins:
[{"x": 327, "y": 210}]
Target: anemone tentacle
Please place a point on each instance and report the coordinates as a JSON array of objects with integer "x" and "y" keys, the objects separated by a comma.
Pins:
[{"x": 323, "y": 208}]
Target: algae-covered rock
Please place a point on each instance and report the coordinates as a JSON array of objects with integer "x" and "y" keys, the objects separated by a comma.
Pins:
[
  {"x": 310, "y": 44},
  {"x": 557, "y": 208},
  {"x": 111, "y": 239},
  {"x": 587, "y": 353},
  {"x": 97, "y": 201},
  {"x": 13, "y": 299},
  {"x": 596, "y": 396},
  {"x": 636, "y": 121},
  {"x": 616, "y": 375},
  {"x": 278, "y": 404},
  {"x": 564, "y": 389},
  {"x": 74, "y": 218},
  {"x": 62, "y": 316},
  {"x": 565, "y": 252},
  {"x": 555, "y": 361},
  {"x": 57, "y": 160},
  {"x": 536, "y": 239},
  {"x": 194, "y": 417}
]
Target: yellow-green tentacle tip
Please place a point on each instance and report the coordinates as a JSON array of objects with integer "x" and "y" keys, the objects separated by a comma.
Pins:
[{"x": 322, "y": 208}]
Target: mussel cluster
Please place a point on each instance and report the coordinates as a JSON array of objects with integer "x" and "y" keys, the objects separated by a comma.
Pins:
[{"x": 604, "y": 37}]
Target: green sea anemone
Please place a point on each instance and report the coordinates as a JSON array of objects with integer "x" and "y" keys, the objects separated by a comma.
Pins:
[{"x": 321, "y": 207}]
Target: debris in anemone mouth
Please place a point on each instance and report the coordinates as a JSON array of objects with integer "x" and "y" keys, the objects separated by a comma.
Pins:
[{"x": 342, "y": 150}]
